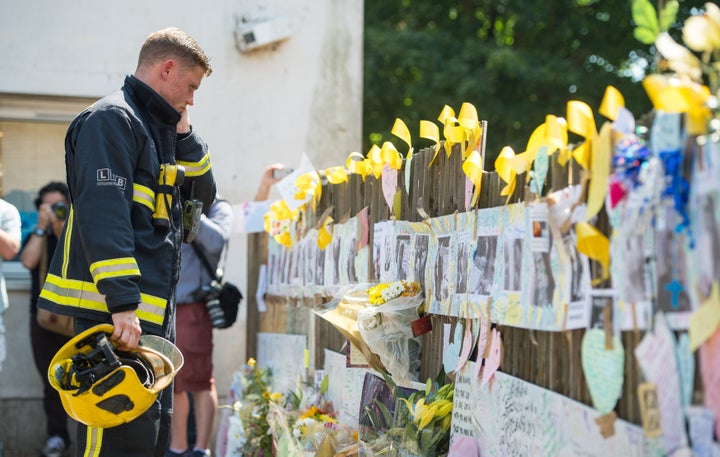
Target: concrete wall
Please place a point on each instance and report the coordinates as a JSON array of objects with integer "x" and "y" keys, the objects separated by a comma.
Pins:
[{"x": 301, "y": 95}]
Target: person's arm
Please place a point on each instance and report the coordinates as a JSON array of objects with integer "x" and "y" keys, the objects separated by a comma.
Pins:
[
  {"x": 192, "y": 153},
  {"x": 10, "y": 233},
  {"x": 32, "y": 251},
  {"x": 215, "y": 227},
  {"x": 266, "y": 182}
]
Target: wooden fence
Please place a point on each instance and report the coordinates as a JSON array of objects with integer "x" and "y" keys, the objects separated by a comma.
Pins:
[{"x": 548, "y": 359}]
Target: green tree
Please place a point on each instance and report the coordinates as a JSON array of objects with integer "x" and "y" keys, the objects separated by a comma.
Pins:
[{"x": 516, "y": 61}]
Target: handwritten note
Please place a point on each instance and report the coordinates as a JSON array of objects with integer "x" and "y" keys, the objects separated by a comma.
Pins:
[
  {"x": 656, "y": 356},
  {"x": 344, "y": 387},
  {"x": 513, "y": 417},
  {"x": 284, "y": 354},
  {"x": 603, "y": 369}
]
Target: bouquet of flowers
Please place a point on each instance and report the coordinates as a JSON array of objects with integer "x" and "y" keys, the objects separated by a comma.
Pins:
[
  {"x": 306, "y": 425},
  {"x": 250, "y": 436},
  {"x": 419, "y": 424},
  {"x": 386, "y": 327}
]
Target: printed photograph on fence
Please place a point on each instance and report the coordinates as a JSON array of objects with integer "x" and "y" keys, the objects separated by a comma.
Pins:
[
  {"x": 421, "y": 245},
  {"x": 332, "y": 263},
  {"x": 509, "y": 300},
  {"x": 464, "y": 243},
  {"x": 574, "y": 280},
  {"x": 630, "y": 274},
  {"x": 402, "y": 257},
  {"x": 273, "y": 262},
  {"x": 603, "y": 310},
  {"x": 671, "y": 275},
  {"x": 546, "y": 310},
  {"x": 308, "y": 264},
  {"x": 483, "y": 261},
  {"x": 440, "y": 284},
  {"x": 347, "y": 234},
  {"x": 703, "y": 209},
  {"x": 383, "y": 234}
]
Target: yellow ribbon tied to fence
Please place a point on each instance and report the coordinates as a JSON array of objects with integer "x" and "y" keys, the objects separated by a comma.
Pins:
[
  {"x": 430, "y": 131},
  {"x": 504, "y": 168},
  {"x": 401, "y": 131},
  {"x": 674, "y": 96},
  {"x": 308, "y": 184},
  {"x": 336, "y": 175},
  {"x": 473, "y": 169},
  {"x": 358, "y": 165}
]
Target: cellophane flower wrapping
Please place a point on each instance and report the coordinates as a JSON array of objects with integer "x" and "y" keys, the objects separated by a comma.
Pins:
[
  {"x": 306, "y": 425},
  {"x": 386, "y": 329}
]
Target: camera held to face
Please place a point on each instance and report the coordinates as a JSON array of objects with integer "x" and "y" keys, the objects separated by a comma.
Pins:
[
  {"x": 209, "y": 293},
  {"x": 60, "y": 209}
]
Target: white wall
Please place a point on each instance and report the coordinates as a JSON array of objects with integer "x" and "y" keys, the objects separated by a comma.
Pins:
[{"x": 303, "y": 95}]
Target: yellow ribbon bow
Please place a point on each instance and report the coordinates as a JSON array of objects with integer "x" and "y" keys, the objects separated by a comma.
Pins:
[{"x": 357, "y": 164}]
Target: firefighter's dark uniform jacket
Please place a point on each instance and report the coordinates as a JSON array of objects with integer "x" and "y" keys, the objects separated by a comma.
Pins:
[{"x": 113, "y": 255}]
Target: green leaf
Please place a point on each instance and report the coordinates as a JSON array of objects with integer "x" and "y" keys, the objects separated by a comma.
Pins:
[
  {"x": 668, "y": 15},
  {"x": 644, "y": 36},
  {"x": 645, "y": 17}
]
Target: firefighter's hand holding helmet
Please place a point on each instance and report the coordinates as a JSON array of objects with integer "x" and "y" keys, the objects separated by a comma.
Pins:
[
  {"x": 127, "y": 330},
  {"x": 101, "y": 386}
]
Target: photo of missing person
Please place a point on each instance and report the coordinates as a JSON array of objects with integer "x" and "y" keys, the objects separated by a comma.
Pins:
[
  {"x": 513, "y": 263},
  {"x": 352, "y": 253},
  {"x": 634, "y": 271},
  {"x": 462, "y": 267},
  {"x": 422, "y": 243},
  {"x": 598, "y": 306},
  {"x": 309, "y": 265},
  {"x": 402, "y": 256},
  {"x": 544, "y": 280},
  {"x": 577, "y": 269},
  {"x": 482, "y": 268},
  {"x": 442, "y": 269},
  {"x": 319, "y": 265},
  {"x": 335, "y": 249}
]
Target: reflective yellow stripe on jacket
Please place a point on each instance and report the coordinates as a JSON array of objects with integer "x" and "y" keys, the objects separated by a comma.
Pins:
[
  {"x": 112, "y": 268},
  {"x": 144, "y": 196},
  {"x": 196, "y": 168},
  {"x": 83, "y": 294}
]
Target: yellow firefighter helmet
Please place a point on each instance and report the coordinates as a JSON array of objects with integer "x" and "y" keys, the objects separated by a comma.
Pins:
[{"x": 103, "y": 387}]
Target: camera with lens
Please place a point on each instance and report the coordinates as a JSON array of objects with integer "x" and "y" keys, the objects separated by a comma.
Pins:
[
  {"x": 210, "y": 294},
  {"x": 60, "y": 209}
]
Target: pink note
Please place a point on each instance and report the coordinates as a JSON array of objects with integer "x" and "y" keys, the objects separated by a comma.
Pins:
[
  {"x": 493, "y": 361},
  {"x": 389, "y": 184},
  {"x": 467, "y": 346},
  {"x": 710, "y": 373}
]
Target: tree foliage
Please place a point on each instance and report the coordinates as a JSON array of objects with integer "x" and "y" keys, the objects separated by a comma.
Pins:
[{"x": 516, "y": 61}]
